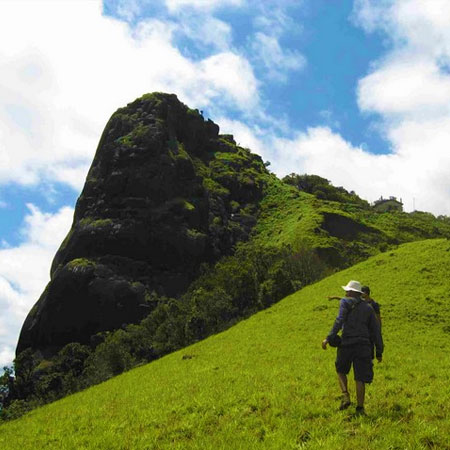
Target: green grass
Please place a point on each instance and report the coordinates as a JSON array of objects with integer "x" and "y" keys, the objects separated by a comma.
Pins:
[
  {"x": 289, "y": 216},
  {"x": 266, "y": 383}
]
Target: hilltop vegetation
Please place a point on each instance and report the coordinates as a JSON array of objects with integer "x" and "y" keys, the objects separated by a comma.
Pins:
[
  {"x": 322, "y": 189},
  {"x": 266, "y": 383}
]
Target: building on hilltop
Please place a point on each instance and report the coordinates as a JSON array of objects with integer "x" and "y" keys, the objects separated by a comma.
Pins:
[{"x": 387, "y": 204}]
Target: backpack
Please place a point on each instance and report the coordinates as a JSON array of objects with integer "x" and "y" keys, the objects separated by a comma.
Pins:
[{"x": 336, "y": 342}]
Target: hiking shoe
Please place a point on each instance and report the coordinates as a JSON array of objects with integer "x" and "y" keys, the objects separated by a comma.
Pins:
[
  {"x": 345, "y": 401},
  {"x": 360, "y": 411}
]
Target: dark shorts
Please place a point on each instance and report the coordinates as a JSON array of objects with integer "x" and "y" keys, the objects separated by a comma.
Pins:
[{"x": 361, "y": 358}]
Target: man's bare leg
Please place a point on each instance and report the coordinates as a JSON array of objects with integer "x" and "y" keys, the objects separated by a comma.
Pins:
[
  {"x": 343, "y": 384},
  {"x": 360, "y": 393}
]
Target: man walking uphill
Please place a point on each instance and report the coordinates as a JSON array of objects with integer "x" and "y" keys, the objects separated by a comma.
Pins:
[{"x": 360, "y": 328}]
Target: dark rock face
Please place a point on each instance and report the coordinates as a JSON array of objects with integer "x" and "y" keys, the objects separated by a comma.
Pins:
[
  {"x": 165, "y": 193},
  {"x": 348, "y": 231},
  {"x": 345, "y": 228}
]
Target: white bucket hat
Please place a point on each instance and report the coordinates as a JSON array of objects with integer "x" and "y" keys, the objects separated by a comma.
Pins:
[{"x": 353, "y": 286}]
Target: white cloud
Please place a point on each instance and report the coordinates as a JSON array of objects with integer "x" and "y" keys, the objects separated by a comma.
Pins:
[
  {"x": 56, "y": 94},
  {"x": 6, "y": 357},
  {"x": 73, "y": 176},
  {"x": 206, "y": 30},
  {"x": 277, "y": 61},
  {"x": 129, "y": 9},
  {"x": 406, "y": 86},
  {"x": 175, "y": 5},
  {"x": 232, "y": 75},
  {"x": 272, "y": 23},
  {"x": 24, "y": 271},
  {"x": 213, "y": 31},
  {"x": 418, "y": 24},
  {"x": 371, "y": 15},
  {"x": 273, "y": 18}
]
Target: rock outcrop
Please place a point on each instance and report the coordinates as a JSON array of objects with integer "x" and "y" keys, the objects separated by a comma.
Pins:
[{"x": 165, "y": 193}]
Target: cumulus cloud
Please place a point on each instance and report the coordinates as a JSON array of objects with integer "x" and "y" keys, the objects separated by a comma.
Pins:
[
  {"x": 406, "y": 86},
  {"x": 61, "y": 80},
  {"x": 24, "y": 271}
]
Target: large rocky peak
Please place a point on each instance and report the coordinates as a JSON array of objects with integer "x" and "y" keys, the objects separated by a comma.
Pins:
[{"x": 165, "y": 193}]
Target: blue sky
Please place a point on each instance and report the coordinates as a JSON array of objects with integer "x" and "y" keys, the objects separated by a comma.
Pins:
[{"x": 356, "y": 91}]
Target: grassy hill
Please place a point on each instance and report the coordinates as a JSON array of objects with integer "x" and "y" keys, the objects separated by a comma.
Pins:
[
  {"x": 342, "y": 232},
  {"x": 266, "y": 383}
]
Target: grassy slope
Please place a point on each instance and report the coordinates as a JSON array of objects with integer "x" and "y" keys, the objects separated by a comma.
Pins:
[
  {"x": 266, "y": 383},
  {"x": 289, "y": 216}
]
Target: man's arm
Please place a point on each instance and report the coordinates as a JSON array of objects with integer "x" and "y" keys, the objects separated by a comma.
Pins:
[{"x": 340, "y": 319}]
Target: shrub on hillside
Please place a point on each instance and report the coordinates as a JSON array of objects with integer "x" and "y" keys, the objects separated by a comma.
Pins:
[
  {"x": 323, "y": 189},
  {"x": 24, "y": 369},
  {"x": 110, "y": 358}
]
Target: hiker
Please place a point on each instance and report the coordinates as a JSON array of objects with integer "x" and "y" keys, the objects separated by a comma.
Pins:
[
  {"x": 376, "y": 307},
  {"x": 360, "y": 328},
  {"x": 366, "y": 297}
]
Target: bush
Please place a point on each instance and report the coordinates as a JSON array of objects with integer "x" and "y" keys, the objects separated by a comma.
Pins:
[
  {"x": 6, "y": 384},
  {"x": 323, "y": 189},
  {"x": 110, "y": 358},
  {"x": 24, "y": 368},
  {"x": 16, "y": 409}
]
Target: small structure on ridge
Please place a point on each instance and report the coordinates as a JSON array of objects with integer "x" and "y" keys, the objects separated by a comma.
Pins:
[{"x": 388, "y": 204}]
